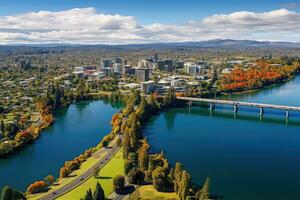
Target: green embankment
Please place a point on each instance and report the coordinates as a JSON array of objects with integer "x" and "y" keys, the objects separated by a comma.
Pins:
[
  {"x": 114, "y": 167},
  {"x": 148, "y": 192}
]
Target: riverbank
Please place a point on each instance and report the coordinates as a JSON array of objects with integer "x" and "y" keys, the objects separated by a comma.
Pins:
[
  {"x": 25, "y": 137},
  {"x": 259, "y": 89}
]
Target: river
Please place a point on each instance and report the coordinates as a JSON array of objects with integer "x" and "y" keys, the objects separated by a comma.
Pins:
[
  {"x": 246, "y": 157},
  {"x": 76, "y": 128}
]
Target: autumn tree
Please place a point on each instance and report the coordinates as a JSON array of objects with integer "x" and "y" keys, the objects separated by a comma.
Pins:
[
  {"x": 49, "y": 179},
  {"x": 143, "y": 155}
]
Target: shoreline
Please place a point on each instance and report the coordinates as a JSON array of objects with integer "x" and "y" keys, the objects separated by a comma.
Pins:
[{"x": 259, "y": 89}]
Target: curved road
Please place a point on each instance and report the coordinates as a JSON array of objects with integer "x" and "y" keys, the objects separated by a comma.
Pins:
[{"x": 83, "y": 177}]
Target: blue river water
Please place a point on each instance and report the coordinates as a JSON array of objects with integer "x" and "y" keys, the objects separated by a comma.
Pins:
[
  {"x": 76, "y": 128},
  {"x": 246, "y": 157}
]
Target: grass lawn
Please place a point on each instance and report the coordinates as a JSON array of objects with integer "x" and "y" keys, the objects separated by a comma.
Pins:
[
  {"x": 114, "y": 167},
  {"x": 148, "y": 192}
]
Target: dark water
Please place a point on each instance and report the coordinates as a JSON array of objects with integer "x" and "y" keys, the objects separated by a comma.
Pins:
[
  {"x": 247, "y": 158},
  {"x": 77, "y": 128}
]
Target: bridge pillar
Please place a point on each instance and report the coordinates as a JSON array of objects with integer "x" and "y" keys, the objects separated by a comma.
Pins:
[
  {"x": 261, "y": 111},
  {"x": 287, "y": 114},
  {"x": 235, "y": 108},
  {"x": 211, "y": 106},
  {"x": 190, "y": 104}
]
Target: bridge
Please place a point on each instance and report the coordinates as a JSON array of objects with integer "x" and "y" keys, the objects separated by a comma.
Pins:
[{"x": 237, "y": 104}]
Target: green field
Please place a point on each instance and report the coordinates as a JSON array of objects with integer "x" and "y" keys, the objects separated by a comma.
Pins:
[
  {"x": 114, "y": 167},
  {"x": 148, "y": 192}
]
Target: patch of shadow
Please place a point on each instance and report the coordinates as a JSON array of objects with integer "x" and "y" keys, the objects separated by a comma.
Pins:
[
  {"x": 103, "y": 177},
  {"x": 127, "y": 190}
]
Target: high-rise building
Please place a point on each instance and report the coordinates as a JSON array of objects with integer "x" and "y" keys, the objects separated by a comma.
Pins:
[
  {"x": 106, "y": 63},
  {"x": 118, "y": 60},
  {"x": 117, "y": 67},
  {"x": 142, "y": 74},
  {"x": 166, "y": 65}
]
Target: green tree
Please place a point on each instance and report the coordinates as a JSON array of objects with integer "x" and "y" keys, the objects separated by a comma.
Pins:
[
  {"x": 204, "y": 193},
  {"x": 177, "y": 176},
  {"x": 170, "y": 98},
  {"x": 135, "y": 176},
  {"x": 88, "y": 195},
  {"x": 153, "y": 103},
  {"x": 184, "y": 185},
  {"x": 118, "y": 183},
  {"x": 143, "y": 155},
  {"x": 159, "y": 179},
  {"x": 7, "y": 193},
  {"x": 99, "y": 192},
  {"x": 214, "y": 75}
]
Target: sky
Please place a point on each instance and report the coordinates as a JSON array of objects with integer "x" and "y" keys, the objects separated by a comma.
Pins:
[{"x": 147, "y": 21}]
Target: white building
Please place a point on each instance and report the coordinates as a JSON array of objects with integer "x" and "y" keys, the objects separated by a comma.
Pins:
[
  {"x": 117, "y": 68},
  {"x": 192, "y": 69},
  {"x": 148, "y": 86}
]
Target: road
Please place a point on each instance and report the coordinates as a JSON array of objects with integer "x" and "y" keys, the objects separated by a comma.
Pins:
[{"x": 82, "y": 178}]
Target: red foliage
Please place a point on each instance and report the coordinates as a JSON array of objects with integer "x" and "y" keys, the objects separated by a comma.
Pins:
[{"x": 255, "y": 77}]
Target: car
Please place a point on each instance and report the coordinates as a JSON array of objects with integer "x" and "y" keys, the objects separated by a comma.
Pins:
[
  {"x": 81, "y": 179},
  {"x": 53, "y": 193}
]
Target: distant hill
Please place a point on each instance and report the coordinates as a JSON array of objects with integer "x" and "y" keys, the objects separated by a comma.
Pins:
[{"x": 211, "y": 44}]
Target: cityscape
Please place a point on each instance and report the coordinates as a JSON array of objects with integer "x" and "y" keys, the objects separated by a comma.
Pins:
[{"x": 140, "y": 100}]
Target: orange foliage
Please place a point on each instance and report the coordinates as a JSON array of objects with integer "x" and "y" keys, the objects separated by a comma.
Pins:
[
  {"x": 255, "y": 77},
  {"x": 180, "y": 94},
  {"x": 36, "y": 187}
]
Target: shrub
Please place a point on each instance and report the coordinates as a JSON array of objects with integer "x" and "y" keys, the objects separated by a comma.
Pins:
[
  {"x": 118, "y": 183},
  {"x": 135, "y": 176}
]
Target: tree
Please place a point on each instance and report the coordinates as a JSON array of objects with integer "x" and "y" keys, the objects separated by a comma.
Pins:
[
  {"x": 118, "y": 183},
  {"x": 126, "y": 145},
  {"x": 88, "y": 195},
  {"x": 184, "y": 185},
  {"x": 128, "y": 165},
  {"x": 99, "y": 192},
  {"x": 37, "y": 187},
  {"x": 177, "y": 176},
  {"x": 170, "y": 98},
  {"x": 49, "y": 179},
  {"x": 135, "y": 176},
  {"x": 143, "y": 155},
  {"x": 204, "y": 193},
  {"x": 153, "y": 103},
  {"x": 7, "y": 193},
  {"x": 214, "y": 75},
  {"x": 159, "y": 179}
]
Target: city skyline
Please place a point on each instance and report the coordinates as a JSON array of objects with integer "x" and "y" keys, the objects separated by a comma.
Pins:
[{"x": 130, "y": 22}]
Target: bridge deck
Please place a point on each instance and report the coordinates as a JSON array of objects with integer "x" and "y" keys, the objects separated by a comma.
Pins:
[{"x": 239, "y": 103}]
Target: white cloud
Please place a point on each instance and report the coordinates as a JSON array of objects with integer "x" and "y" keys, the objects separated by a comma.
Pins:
[{"x": 87, "y": 25}]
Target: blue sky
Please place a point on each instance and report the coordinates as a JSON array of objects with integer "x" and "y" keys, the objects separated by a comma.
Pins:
[
  {"x": 147, "y": 21},
  {"x": 149, "y": 11}
]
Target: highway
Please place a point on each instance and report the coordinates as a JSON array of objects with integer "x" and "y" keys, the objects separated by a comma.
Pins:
[{"x": 85, "y": 176}]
